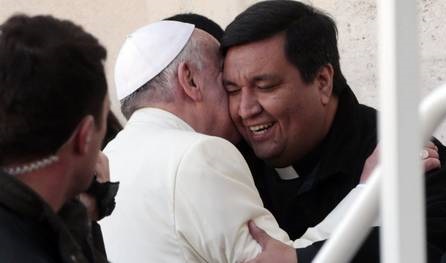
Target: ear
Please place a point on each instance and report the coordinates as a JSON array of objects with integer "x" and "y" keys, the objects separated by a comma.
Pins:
[
  {"x": 83, "y": 135},
  {"x": 324, "y": 80},
  {"x": 188, "y": 83}
]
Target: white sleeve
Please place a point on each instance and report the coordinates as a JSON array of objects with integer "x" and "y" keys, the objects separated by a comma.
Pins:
[{"x": 214, "y": 198}]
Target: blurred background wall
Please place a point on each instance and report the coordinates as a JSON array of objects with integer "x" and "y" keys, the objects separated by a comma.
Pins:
[{"x": 112, "y": 20}]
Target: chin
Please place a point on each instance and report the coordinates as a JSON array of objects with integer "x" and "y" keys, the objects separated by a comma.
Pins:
[
  {"x": 264, "y": 155},
  {"x": 271, "y": 157}
]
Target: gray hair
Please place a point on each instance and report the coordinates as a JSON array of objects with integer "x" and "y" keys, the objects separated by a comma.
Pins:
[{"x": 161, "y": 87}]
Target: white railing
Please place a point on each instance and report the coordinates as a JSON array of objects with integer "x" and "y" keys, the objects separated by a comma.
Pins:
[{"x": 399, "y": 182}]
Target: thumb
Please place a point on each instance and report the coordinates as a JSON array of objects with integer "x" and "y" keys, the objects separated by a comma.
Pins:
[{"x": 258, "y": 234}]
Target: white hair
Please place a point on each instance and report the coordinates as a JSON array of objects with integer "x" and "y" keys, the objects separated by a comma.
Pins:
[{"x": 161, "y": 87}]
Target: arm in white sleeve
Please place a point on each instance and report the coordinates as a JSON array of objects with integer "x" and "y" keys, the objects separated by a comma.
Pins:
[{"x": 214, "y": 198}]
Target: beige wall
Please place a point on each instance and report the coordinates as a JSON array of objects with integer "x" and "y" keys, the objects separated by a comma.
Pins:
[{"x": 111, "y": 20}]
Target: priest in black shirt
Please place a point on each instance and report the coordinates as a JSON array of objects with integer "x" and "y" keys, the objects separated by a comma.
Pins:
[{"x": 291, "y": 103}]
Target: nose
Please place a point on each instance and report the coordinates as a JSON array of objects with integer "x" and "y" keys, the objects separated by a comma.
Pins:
[{"x": 249, "y": 104}]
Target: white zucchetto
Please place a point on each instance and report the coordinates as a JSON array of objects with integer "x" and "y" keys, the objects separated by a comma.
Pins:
[{"x": 148, "y": 51}]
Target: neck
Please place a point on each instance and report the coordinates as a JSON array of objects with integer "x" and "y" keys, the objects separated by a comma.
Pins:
[
  {"x": 332, "y": 109},
  {"x": 48, "y": 183},
  {"x": 31, "y": 166},
  {"x": 183, "y": 110}
]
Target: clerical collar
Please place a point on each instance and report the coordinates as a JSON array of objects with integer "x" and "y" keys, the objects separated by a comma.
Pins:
[
  {"x": 303, "y": 167},
  {"x": 287, "y": 173}
]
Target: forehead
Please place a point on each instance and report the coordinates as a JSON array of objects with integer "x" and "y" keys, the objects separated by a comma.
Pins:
[{"x": 261, "y": 57}]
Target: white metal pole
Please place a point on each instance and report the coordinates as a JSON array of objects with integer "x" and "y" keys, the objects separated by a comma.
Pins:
[{"x": 402, "y": 205}]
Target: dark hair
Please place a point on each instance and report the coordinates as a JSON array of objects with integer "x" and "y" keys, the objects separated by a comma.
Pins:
[
  {"x": 51, "y": 76},
  {"x": 311, "y": 35},
  {"x": 200, "y": 22}
]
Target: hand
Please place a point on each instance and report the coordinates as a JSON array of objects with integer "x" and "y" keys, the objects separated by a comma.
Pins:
[
  {"x": 431, "y": 159},
  {"x": 92, "y": 206},
  {"x": 370, "y": 164},
  {"x": 102, "y": 173},
  {"x": 272, "y": 250},
  {"x": 429, "y": 156},
  {"x": 102, "y": 169}
]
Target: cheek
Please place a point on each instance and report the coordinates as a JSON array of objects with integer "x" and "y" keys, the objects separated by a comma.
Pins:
[{"x": 234, "y": 104}]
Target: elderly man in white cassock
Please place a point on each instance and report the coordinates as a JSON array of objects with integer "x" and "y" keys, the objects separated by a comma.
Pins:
[{"x": 184, "y": 196}]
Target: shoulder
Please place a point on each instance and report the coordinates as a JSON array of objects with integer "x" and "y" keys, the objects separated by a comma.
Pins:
[
  {"x": 18, "y": 234},
  {"x": 213, "y": 149},
  {"x": 368, "y": 123},
  {"x": 11, "y": 224},
  {"x": 368, "y": 113},
  {"x": 211, "y": 158}
]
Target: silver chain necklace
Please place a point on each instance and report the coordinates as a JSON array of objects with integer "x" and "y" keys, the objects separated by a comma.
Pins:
[{"x": 31, "y": 167}]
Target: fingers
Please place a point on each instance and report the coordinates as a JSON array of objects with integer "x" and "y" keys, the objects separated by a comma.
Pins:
[
  {"x": 258, "y": 234},
  {"x": 430, "y": 157},
  {"x": 370, "y": 164},
  {"x": 431, "y": 145},
  {"x": 431, "y": 164},
  {"x": 102, "y": 168},
  {"x": 429, "y": 153}
]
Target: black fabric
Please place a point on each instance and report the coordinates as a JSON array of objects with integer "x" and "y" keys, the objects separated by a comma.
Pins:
[
  {"x": 31, "y": 232},
  {"x": 368, "y": 252},
  {"x": 327, "y": 175},
  {"x": 104, "y": 194}
]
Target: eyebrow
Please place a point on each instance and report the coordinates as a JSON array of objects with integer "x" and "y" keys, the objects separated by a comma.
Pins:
[{"x": 263, "y": 77}]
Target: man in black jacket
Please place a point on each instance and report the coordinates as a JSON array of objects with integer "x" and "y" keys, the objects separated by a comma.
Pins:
[
  {"x": 291, "y": 103},
  {"x": 53, "y": 111}
]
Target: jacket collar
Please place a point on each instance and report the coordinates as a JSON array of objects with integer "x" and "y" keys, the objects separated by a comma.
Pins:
[
  {"x": 24, "y": 202},
  {"x": 21, "y": 199}
]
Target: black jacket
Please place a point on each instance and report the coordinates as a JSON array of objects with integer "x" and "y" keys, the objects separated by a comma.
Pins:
[{"x": 31, "y": 232}]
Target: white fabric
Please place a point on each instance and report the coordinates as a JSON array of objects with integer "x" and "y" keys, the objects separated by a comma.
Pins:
[
  {"x": 146, "y": 52},
  {"x": 183, "y": 197}
]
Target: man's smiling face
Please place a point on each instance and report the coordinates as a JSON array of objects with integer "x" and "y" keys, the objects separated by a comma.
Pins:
[{"x": 278, "y": 114}]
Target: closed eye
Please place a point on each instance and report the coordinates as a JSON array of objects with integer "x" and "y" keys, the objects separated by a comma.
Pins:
[
  {"x": 230, "y": 87},
  {"x": 267, "y": 87}
]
